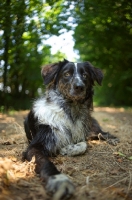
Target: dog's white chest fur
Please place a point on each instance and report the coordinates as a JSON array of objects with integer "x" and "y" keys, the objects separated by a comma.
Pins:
[{"x": 66, "y": 131}]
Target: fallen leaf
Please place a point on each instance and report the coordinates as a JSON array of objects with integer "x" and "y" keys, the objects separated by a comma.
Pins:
[
  {"x": 119, "y": 160},
  {"x": 14, "y": 159},
  {"x": 114, "y": 172},
  {"x": 121, "y": 154},
  {"x": 6, "y": 143}
]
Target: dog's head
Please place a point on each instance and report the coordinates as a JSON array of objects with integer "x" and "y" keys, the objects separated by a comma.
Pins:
[{"x": 73, "y": 80}]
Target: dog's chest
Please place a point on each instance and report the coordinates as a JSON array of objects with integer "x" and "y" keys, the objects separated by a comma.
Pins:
[{"x": 68, "y": 127}]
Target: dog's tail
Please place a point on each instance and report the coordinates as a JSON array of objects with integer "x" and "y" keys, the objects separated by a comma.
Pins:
[{"x": 55, "y": 182}]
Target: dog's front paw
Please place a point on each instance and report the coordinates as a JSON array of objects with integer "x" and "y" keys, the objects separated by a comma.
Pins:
[
  {"x": 60, "y": 185},
  {"x": 109, "y": 138},
  {"x": 113, "y": 141},
  {"x": 74, "y": 149}
]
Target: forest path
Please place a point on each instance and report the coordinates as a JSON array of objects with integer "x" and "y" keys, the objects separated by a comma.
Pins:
[{"x": 103, "y": 172}]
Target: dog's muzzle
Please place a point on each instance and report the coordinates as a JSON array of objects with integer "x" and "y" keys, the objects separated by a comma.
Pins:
[
  {"x": 78, "y": 90},
  {"x": 79, "y": 87}
]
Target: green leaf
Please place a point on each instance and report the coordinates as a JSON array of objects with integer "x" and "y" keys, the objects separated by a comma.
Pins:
[
  {"x": 130, "y": 158},
  {"x": 121, "y": 154}
]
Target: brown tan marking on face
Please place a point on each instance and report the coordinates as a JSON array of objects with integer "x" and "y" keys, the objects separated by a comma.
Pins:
[{"x": 65, "y": 89}]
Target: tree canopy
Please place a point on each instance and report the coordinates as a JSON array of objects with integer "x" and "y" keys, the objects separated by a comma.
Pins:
[
  {"x": 24, "y": 26},
  {"x": 104, "y": 37},
  {"x": 102, "y": 34}
]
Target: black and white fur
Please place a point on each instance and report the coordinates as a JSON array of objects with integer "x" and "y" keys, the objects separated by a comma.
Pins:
[{"x": 60, "y": 122}]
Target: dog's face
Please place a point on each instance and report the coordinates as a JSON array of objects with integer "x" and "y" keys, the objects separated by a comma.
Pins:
[{"x": 73, "y": 80}]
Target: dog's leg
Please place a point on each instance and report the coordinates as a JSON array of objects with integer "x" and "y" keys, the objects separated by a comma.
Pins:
[
  {"x": 55, "y": 182},
  {"x": 74, "y": 149},
  {"x": 97, "y": 133},
  {"x": 42, "y": 145},
  {"x": 29, "y": 126}
]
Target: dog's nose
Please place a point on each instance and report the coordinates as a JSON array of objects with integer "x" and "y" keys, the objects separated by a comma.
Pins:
[{"x": 78, "y": 87}]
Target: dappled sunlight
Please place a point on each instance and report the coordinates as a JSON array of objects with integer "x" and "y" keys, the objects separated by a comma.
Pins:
[
  {"x": 111, "y": 126},
  {"x": 16, "y": 169},
  {"x": 17, "y": 176},
  {"x": 6, "y": 119},
  {"x": 109, "y": 109},
  {"x": 93, "y": 173},
  {"x": 36, "y": 33}
]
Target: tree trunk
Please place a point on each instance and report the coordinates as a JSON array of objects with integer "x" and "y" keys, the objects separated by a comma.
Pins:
[{"x": 7, "y": 32}]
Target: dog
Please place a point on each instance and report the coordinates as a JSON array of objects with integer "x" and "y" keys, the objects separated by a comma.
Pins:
[{"x": 60, "y": 122}]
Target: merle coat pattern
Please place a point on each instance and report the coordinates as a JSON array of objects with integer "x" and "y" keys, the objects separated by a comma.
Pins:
[{"x": 60, "y": 122}]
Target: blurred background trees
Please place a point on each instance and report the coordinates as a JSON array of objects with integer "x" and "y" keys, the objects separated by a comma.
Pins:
[
  {"x": 102, "y": 35},
  {"x": 24, "y": 26}
]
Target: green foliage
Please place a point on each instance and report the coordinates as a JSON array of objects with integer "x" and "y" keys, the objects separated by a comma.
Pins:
[
  {"x": 25, "y": 25},
  {"x": 104, "y": 37}
]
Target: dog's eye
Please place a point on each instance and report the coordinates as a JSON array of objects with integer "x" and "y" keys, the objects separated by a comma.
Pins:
[
  {"x": 84, "y": 76},
  {"x": 67, "y": 74}
]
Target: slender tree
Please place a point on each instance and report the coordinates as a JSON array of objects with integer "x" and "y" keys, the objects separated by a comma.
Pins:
[{"x": 6, "y": 40}]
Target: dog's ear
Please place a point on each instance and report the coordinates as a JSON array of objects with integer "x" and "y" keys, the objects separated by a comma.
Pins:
[
  {"x": 50, "y": 72},
  {"x": 95, "y": 73}
]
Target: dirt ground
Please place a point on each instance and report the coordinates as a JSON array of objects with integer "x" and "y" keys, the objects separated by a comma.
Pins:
[{"x": 103, "y": 172}]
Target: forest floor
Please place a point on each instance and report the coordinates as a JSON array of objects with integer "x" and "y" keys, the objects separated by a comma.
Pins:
[{"x": 103, "y": 172}]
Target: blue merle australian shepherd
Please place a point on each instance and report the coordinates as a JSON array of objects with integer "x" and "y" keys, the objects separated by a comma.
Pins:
[{"x": 60, "y": 122}]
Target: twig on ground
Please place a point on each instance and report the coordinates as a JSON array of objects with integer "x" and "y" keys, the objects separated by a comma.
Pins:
[
  {"x": 129, "y": 185},
  {"x": 116, "y": 183}
]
